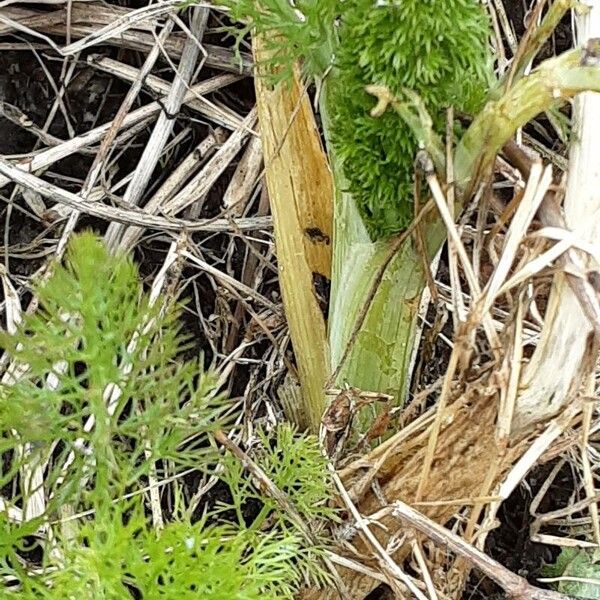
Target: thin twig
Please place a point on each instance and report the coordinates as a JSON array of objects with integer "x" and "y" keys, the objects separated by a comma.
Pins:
[
  {"x": 517, "y": 588},
  {"x": 124, "y": 215}
]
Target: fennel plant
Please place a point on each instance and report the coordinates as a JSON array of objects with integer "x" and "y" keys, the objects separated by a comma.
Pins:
[
  {"x": 419, "y": 57},
  {"x": 437, "y": 48},
  {"x": 78, "y": 518}
]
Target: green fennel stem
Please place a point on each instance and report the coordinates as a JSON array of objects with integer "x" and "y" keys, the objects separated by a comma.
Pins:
[
  {"x": 375, "y": 346},
  {"x": 378, "y": 357},
  {"x": 403, "y": 44},
  {"x": 377, "y": 283}
]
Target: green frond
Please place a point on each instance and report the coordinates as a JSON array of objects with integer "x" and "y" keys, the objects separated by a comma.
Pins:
[
  {"x": 302, "y": 31},
  {"x": 186, "y": 561},
  {"x": 295, "y": 464},
  {"x": 436, "y": 48},
  {"x": 101, "y": 415},
  {"x": 91, "y": 311}
]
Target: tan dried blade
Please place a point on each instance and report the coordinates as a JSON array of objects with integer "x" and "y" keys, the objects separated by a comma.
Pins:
[{"x": 301, "y": 195}]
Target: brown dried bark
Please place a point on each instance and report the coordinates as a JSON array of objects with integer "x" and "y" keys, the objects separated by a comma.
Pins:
[{"x": 467, "y": 452}]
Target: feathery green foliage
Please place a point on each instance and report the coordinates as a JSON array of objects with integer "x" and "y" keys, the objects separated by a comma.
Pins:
[
  {"x": 436, "y": 48},
  {"x": 294, "y": 464},
  {"x": 304, "y": 30},
  {"x": 91, "y": 417}
]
